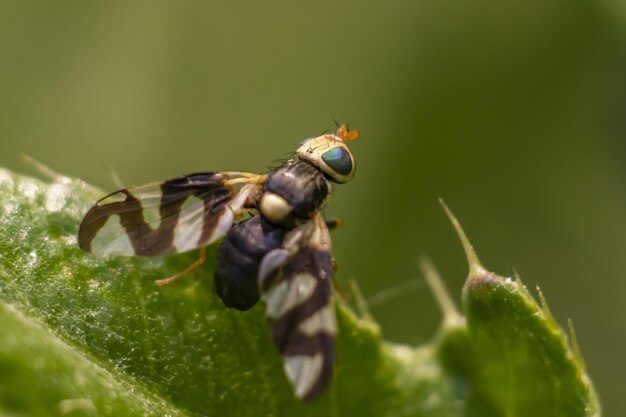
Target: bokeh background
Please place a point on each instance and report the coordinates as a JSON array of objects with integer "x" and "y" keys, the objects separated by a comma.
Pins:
[{"x": 513, "y": 111}]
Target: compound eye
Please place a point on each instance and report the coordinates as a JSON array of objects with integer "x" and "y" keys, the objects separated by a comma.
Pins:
[{"x": 339, "y": 160}]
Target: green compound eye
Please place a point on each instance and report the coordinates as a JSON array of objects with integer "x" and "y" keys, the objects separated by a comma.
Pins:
[{"x": 339, "y": 160}]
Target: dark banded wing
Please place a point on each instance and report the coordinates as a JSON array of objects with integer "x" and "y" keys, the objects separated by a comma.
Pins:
[
  {"x": 296, "y": 285},
  {"x": 174, "y": 216}
]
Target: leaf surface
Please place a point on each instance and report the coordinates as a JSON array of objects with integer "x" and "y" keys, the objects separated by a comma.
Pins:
[{"x": 87, "y": 335}]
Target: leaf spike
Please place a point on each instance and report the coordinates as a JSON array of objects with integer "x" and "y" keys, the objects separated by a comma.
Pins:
[
  {"x": 439, "y": 290},
  {"x": 391, "y": 293},
  {"x": 545, "y": 309},
  {"x": 521, "y": 286},
  {"x": 361, "y": 303},
  {"x": 43, "y": 169},
  {"x": 573, "y": 342},
  {"x": 475, "y": 266},
  {"x": 115, "y": 179}
]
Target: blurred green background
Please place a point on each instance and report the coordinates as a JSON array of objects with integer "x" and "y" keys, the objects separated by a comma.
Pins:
[{"x": 514, "y": 112}]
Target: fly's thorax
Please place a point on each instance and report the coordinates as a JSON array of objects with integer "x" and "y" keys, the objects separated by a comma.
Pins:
[
  {"x": 331, "y": 155},
  {"x": 292, "y": 193}
]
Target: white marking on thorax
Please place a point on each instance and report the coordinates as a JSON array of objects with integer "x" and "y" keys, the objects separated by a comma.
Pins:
[{"x": 274, "y": 207}]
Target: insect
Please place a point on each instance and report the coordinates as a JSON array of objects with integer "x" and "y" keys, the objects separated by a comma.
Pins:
[{"x": 276, "y": 244}]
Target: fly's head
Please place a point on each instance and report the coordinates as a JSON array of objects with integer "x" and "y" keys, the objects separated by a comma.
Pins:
[{"x": 330, "y": 154}]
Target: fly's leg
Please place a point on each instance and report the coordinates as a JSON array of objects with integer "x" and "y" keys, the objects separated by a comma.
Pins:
[
  {"x": 333, "y": 223},
  {"x": 197, "y": 263}
]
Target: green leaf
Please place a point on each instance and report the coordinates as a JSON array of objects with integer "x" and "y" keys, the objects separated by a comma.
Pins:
[
  {"x": 86, "y": 335},
  {"x": 522, "y": 363}
]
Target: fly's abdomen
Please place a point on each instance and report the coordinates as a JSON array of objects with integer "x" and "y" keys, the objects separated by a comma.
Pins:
[
  {"x": 238, "y": 261},
  {"x": 292, "y": 193}
]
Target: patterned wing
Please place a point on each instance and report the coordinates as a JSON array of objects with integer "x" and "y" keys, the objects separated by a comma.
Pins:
[
  {"x": 174, "y": 216},
  {"x": 296, "y": 284}
]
